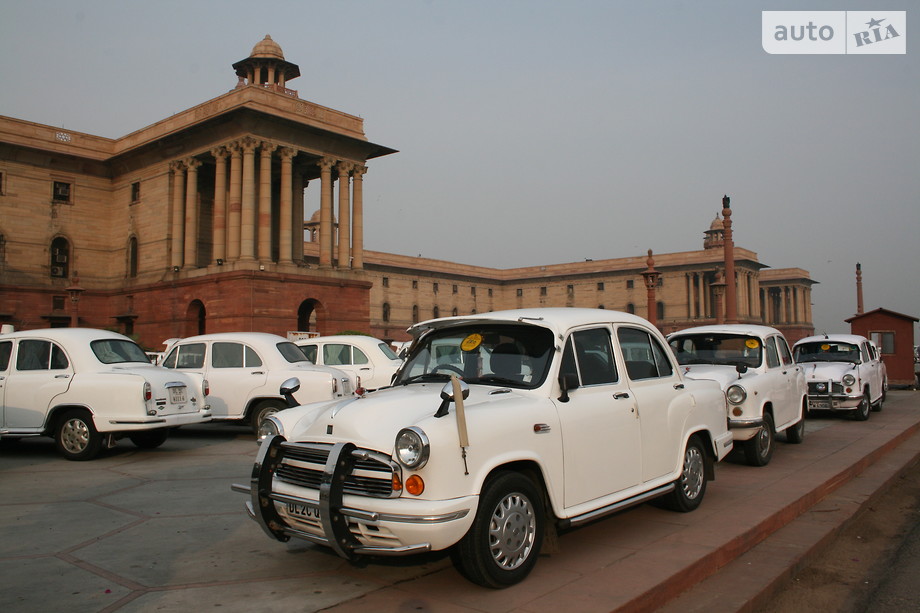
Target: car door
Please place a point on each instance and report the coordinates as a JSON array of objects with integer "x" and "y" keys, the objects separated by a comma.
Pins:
[
  {"x": 235, "y": 371},
  {"x": 872, "y": 370},
  {"x": 40, "y": 372},
  {"x": 662, "y": 403},
  {"x": 793, "y": 385},
  {"x": 775, "y": 385},
  {"x": 601, "y": 443}
]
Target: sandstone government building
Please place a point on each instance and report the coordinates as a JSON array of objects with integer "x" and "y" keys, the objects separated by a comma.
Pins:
[{"x": 245, "y": 213}]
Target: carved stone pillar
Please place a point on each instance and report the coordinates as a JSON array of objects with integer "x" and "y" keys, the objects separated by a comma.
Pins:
[
  {"x": 286, "y": 213},
  {"x": 191, "y": 213},
  {"x": 325, "y": 212},
  {"x": 248, "y": 208},
  {"x": 265, "y": 202},
  {"x": 219, "y": 226},
  {"x": 357, "y": 220},
  {"x": 344, "y": 169},
  {"x": 299, "y": 185},
  {"x": 235, "y": 199},
  {"x": 178, "y": 213}
]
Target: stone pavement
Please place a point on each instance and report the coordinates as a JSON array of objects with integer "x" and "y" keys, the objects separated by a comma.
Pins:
[{"x": 161, "y": 530}]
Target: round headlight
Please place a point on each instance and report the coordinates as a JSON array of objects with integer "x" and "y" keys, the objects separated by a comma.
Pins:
[
  {"x": 412, "y": 447},
  {"x": 736, "y": 394},
  {"x": 848, "y": 379},
  {"x": 270, "y": 426}
]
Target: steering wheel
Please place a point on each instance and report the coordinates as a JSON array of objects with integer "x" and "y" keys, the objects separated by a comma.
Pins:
[{"x": 447, "y": 367}]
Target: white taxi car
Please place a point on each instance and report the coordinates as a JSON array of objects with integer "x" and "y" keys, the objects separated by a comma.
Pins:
[
  {"x": 765, "y": 389},
  {"x": 844, "y": 372},
  {"x": 88, "y": 388},
  {"x": 369, "y": 359},
  {"x": 498, "y": 428},
  {"x": 245, "y": 371}
]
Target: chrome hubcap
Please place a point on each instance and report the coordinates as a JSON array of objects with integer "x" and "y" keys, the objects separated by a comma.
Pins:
[
  {"x": 512, "y": 530},
  {"x": 691, "y": 479},
  {"x": 75, "y": 435}
]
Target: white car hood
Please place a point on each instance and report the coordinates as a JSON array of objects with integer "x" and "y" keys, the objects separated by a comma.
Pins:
[
  {"x": 374, "y": 420},
  {"x": 827, "y": 370},
  {"x": 723, "y": 374}
]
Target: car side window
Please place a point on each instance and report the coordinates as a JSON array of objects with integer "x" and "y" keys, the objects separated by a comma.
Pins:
[
  {"x": 252, "y": 358},
  {"x": 784, "y": 354},
  {"x": 772, "y": 354},
  {"x": 865, "y": 352},
  {"x": 226, "y": 355},
  {"x": 186, "y": 356},
  {"x": 335, "y": 354},
  {"x": 309, "y": 352},
  {"x": 33, "y": 355},
  {"x": 59, "y": 359},
  {"x": 6, "y": 350},
  {"x": 589, "y": 354},
  {"x": 359, "y": 356},
  {"x": 645, "y": 358}
]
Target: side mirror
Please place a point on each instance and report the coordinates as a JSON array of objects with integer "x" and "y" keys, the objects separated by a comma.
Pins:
[
  {"x": 567, "y": 381},
  {"x": 741, "y": 368},
  {"x": 287, "y": 390},
  {"x": 447, "y": 396}
]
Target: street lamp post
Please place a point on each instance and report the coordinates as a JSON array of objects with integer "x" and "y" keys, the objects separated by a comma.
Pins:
[{"x": 74, "y": 290}]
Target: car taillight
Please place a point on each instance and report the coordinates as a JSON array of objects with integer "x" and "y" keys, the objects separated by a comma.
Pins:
[
  {"x": 148, "y": 392},
  {"x": 205, "y": 387},
  {"x": 335, "y": 386}
]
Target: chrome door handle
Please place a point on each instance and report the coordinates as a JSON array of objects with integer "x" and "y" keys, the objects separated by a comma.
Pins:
[{"x": 619, "y": 395}]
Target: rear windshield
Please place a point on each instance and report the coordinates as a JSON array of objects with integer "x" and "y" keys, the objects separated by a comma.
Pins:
[{"x": 116, "y": 351}]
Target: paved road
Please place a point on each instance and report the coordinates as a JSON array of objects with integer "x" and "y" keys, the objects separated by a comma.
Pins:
[{"x": 161, "y": 530}]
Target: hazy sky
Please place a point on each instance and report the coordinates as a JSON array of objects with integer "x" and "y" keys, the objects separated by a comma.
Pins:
[{"x": 540, "y": 132}]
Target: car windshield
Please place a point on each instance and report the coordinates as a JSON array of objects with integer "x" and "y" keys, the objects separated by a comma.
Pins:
[
  {"x": 115, "y": 351},
  {"x": 726, "y": 349},
  {"x": 827, "y": 351},
  {"x": 291, "y": 352},
  {"x": 387, "y": 351},
  {"x": 505, "y": 355}
]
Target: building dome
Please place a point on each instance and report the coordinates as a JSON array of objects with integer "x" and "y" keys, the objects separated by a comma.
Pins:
[
  {"x": 267, "y": 48},
  {"x": 717, "y": 224}
]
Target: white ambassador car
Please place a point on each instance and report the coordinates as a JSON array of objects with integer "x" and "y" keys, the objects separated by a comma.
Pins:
[
  {"x": 844, "y": 372},
  {"x": 765, "y": 389},
  {"x": 499, "y": 428},
  {"x": 369, "y": 359},
  {"x": 87, "y": 388},
  {"x": 245, "y": 371}
]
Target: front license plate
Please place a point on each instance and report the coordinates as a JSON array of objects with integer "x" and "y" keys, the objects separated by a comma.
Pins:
[
  {"x": 177, "y": 395},
  {"x": 304, "y": 511},
  {"x": 817, "y": 404}
]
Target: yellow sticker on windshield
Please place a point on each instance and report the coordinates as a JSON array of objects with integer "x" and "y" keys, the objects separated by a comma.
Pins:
[
  {"x": 825, "y": 347},
  {"x": 752, "y": 343},
  {"x": 471, "y": 342}
]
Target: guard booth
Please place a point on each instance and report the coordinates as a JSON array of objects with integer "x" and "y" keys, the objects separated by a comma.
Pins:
[{"x": 893, "y": 333}]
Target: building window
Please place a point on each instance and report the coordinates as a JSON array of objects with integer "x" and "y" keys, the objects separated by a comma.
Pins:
[
  {"x": 473, "y": 291},
  {"x": 60, "y": 258},
  {"x": 570, "y": 289},
  {"x": 435, "y": 312},
  {"x": 455, "y": 312},
  {"x": 135, "y": 192},
  {"x": 520, "y": 292},
  {"x": 386, "y": 311},
  {"x": 454, "y": 289},
  {"x": 1, "y": 184},
  {"x": 132, "y": 257},
  {"x": 543, "y": 291},
  {"x": 61, "y": 192},
  {"x": 600, "y": 286},
  {"x": 415, "y": 313},
  {"x": 884, "y": 341},
  {"x": 659, "y": 309},
  {"x": 490, "y": 292},
  {"x": 631, "y": 308},
  {"x": 602, "y": 307},
  {"x": 434, "y": 287},
  {"x": 629, "y": 284},
  {"x": 414, "y": 284},
  {"x": 58, "y": 302},
  {"x": 386, "y": 282}
]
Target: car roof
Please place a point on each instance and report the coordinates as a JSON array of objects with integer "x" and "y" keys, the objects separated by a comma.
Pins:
[
  {"x": 749, "y": 329},
  {"x": 557, "y": 319},
  {"x": 339, "y": 338},
  {"x": 240, "y": 337},
  {"x": 838, "y": 338},
  {"x": 78, "y": 335}
]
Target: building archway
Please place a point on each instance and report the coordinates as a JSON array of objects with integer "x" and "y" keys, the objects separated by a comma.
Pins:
[
  {"x": 309, "y": 315},
  {"x": 195, "y": 319}
]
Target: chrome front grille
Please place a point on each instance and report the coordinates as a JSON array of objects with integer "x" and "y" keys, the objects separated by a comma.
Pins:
[
  {"x": 303, "y": 464},
  {"x": 820, "y": 388}
]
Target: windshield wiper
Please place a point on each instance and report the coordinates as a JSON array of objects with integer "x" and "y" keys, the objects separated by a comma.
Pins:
[
  {"x": 426, "y": 376},
  {"x": 496, "y": 379}
]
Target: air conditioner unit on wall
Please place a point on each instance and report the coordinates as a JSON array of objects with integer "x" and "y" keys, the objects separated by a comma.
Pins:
[{"x": 57, "y": 271}]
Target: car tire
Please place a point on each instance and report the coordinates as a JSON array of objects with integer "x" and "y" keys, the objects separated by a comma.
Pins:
[
  {"x": 502, "y": 545},
  {"x": 690, "y": 487},
  {"x": 795, "y": 433},
  {"x": 759, "y": 450},
  {"x": 150, "y": 439},
  {"x": 862, "y": 411},
  {"x": 76, "y": 437},
  {"x": 263, "y": 410}
]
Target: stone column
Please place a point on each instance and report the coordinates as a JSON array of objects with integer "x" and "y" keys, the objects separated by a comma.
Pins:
[
  {"x": 300, "y": 184},
  {"x": 688, "y": 281},
  {"x": 357, "y": 220},
  {"x": 178, "y": 213},
  {"x": 285, "y": 230},
  {"x": 234, "y": 205},
  {"x": 265, "y": 202},
  {"x": 191, "y": 213},
  {"x": 325, "y": 212},
  {"x": 731, "y": 294},
  {"x": 219, "y": 227},
  {"x": 344, "y": 169},
  {"x": 248, "y": 206}
]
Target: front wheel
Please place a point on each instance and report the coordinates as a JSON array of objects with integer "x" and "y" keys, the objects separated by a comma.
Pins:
[
  {"x": 690, "y": 487},
  {"x": 150, "y": 439},
  {"x": 263, "y": 410},
  {"x": 759, "y": 450},
  {"x": 862, "y": 411},
  {"x": 76, "y": 436},
  {"x": 504, "y": 541}
]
